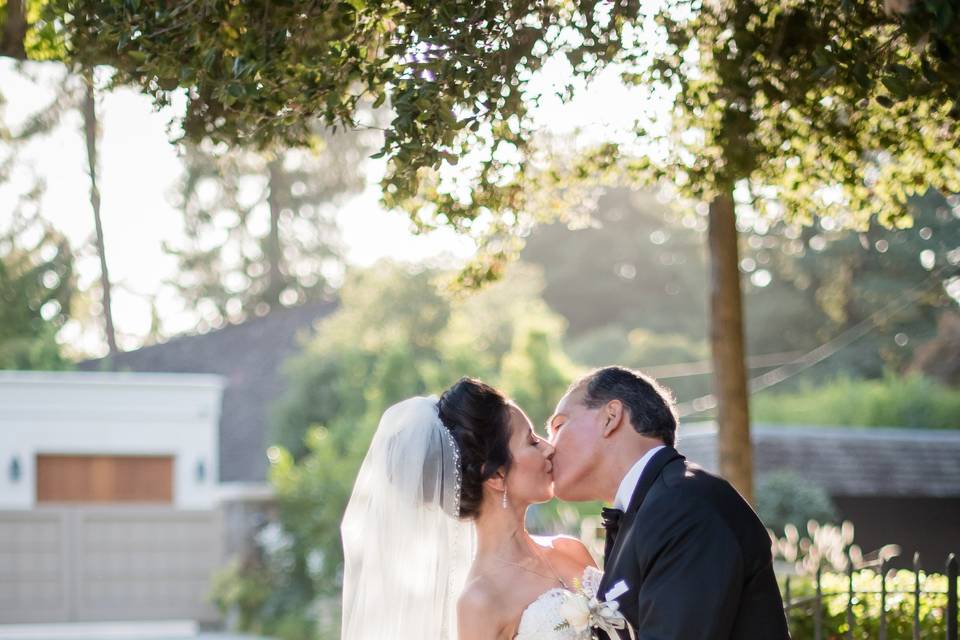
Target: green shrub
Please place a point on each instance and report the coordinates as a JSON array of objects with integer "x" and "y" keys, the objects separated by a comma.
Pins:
[
  {"x": 866, "y": 606},
  {"x": 787, "y": 498},
  {"x": 911, "y": 401}
]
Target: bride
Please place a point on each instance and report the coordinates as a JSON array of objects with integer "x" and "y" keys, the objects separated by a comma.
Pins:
[{"x": 434, "y": 540}]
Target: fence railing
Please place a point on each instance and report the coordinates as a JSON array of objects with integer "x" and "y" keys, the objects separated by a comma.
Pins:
[{"x": 816, "y": 604}]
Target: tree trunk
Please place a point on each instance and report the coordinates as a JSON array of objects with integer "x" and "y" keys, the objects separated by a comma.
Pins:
[
  {"x": 14, "y": 31},
  {"x": 90, "y": 133},
  {"x": 726, "y": 338},
  {"x": 274, "y": 252}
]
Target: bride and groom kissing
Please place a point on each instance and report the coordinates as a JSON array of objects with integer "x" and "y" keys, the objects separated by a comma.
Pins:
[{"x": 435, "y": 545}]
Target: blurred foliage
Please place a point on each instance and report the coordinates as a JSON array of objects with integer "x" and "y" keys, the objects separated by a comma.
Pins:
[
  {"x": 638, "y": 348},
  {"x": 823, "y": 280},
  {"x": 38, "y": 283},
  {"x": 37, "y": 286},
  {"x": 805, "y": 108},
  {"x": 899, "y": 612},
  {"x": 832, "y": 549},
  {"x": 909, "y": 401},
  {"x": 32, "y": 33},
  {"x": 397, "y": 333},
  {"x": 803, "y": 287},
  {"x": 785, "y": 497},
  {"x": 939, "y": 358},
  {"x": 260, "y": 228},
  {"x": 638, "y": 263}
]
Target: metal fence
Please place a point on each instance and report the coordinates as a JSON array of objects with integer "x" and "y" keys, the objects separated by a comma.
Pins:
[{"x": 815, "y": 605}]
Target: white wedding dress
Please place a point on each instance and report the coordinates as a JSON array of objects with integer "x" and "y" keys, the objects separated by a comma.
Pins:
[{"x": 542, "y": 617}]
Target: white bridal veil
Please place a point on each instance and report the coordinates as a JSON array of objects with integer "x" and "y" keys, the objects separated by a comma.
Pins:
[{"x": 406, "y": 554}]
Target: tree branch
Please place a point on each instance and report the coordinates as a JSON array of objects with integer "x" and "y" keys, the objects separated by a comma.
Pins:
[{"x": 14, "y": 31}]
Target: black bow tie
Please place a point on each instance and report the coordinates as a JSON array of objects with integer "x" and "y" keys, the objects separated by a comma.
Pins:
[
  {"x": 611, "y": 522},
  {"x": 610, "y": 518}
]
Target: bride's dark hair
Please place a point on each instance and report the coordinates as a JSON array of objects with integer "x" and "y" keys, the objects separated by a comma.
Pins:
[{"x": 478, "y": 417}]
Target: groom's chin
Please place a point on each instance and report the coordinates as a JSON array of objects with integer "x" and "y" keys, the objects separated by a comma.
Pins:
[
  {"x": 562, "y": 492},
  {"x": 569, "y": 492}
]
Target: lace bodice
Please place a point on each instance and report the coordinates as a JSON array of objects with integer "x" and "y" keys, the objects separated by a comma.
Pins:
[{"x": 541, "y": 618}]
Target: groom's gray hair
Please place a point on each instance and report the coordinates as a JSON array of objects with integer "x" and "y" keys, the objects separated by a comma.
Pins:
[{"x": 651, "y": 406}]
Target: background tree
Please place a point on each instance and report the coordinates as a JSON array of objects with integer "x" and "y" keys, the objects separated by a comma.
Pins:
[
  {"x": 637, "y": 264},
  {"x": 91, "y": 135},
  {"x": 260, "y": 227},
  {"x": 776, "y": 108},
  {"x": 37, "y": 279},
  {"x": 30, "y": 30},
  {"x": 37, "y": 283},
  {"x": 841, "y": 278}
]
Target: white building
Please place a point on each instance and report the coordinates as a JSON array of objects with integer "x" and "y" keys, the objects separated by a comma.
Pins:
[{"x": 108, "y": 496}]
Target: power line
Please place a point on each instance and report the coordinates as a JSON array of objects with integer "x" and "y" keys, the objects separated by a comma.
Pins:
[
  {"x": 821, "y": 353},
  {"x": 687, "y": 369}
]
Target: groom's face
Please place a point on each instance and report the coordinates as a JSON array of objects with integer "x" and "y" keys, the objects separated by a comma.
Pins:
[{"x": 575, "y": 432}]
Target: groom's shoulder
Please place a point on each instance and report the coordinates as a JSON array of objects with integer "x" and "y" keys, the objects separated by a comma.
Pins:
[
  {"x": 688, "y": 491},
  {"x": 683, "y": 475},
  {"x": 697, "y": 487}
]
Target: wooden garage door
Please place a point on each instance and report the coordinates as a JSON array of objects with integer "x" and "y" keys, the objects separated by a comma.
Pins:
[{"x": 73, "y": 478}]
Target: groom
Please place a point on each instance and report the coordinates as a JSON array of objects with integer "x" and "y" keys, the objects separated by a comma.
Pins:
[{"x": 686, "y": 557}]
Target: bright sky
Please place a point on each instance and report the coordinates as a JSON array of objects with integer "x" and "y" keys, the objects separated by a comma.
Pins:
[{"x": 139, "y": 167}]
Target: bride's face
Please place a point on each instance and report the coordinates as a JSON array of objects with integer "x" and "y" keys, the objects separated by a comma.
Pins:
[{"x": 530, "y": 477}]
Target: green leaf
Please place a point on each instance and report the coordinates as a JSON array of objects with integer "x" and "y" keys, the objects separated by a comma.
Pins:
[{"x": 885, "y": 101}]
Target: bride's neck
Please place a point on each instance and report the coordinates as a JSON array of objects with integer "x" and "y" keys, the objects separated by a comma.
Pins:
[{"x": 502, "y": 532}]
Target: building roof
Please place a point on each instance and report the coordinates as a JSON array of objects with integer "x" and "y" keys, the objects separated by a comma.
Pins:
[
  {"x": 846, "y": 461},
  {"x": 248, "y": 356}
]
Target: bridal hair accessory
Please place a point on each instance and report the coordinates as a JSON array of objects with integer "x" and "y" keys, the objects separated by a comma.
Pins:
[{"x": 453, "y": 450}]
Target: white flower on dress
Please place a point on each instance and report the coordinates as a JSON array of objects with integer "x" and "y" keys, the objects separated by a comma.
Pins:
[
  {"x": 573, "y": 614},
  {"x": 583, "y": 613},
  {"x": 576, "y": 611}
]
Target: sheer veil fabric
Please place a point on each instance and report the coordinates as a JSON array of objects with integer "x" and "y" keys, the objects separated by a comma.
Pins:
[{"x": 406, "y": 552}]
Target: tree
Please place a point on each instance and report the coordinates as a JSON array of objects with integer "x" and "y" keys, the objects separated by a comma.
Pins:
[
  {"x": 37, "y": 283},
  {"x": 792, "y": 108},
  {"x": 29, "y": 31},
  {"x": 638, "y": 264},
  {"x": 37, "y": 280},
  {"x": 846, "y": 277},
  {"x": 260, "y": 226},
  {"x": 91, "y": 133}
]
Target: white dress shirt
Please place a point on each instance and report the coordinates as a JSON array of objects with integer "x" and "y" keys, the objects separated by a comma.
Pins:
[{"x": 629, "y": 483}]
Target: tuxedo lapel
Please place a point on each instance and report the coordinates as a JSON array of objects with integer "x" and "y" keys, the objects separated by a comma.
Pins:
[{"x": 649, "y": 475}]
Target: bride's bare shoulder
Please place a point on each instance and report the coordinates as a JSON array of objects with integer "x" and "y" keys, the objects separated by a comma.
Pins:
[
  {"x": 479, "y": 610},
  {"x": 570, "y": 547}
]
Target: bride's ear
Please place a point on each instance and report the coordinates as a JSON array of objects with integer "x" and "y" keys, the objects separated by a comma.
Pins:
[{"x": 497, "y": 482}]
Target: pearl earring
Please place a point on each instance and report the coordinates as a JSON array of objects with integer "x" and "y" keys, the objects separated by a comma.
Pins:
[{"x": 504, "y": 502}]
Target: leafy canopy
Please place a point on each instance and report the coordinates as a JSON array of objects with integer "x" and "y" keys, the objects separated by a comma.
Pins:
[{"x": 841, "y": 104}]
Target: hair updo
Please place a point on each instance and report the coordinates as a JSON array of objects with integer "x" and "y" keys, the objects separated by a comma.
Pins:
[{"x": 478, "y": 417}]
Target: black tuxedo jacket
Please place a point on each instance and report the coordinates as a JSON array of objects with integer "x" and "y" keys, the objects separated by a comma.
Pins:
[{"x": 695, "y": 559}]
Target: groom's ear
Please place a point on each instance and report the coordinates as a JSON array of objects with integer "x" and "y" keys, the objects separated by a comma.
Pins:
[{"x": 612, "y": 416}]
